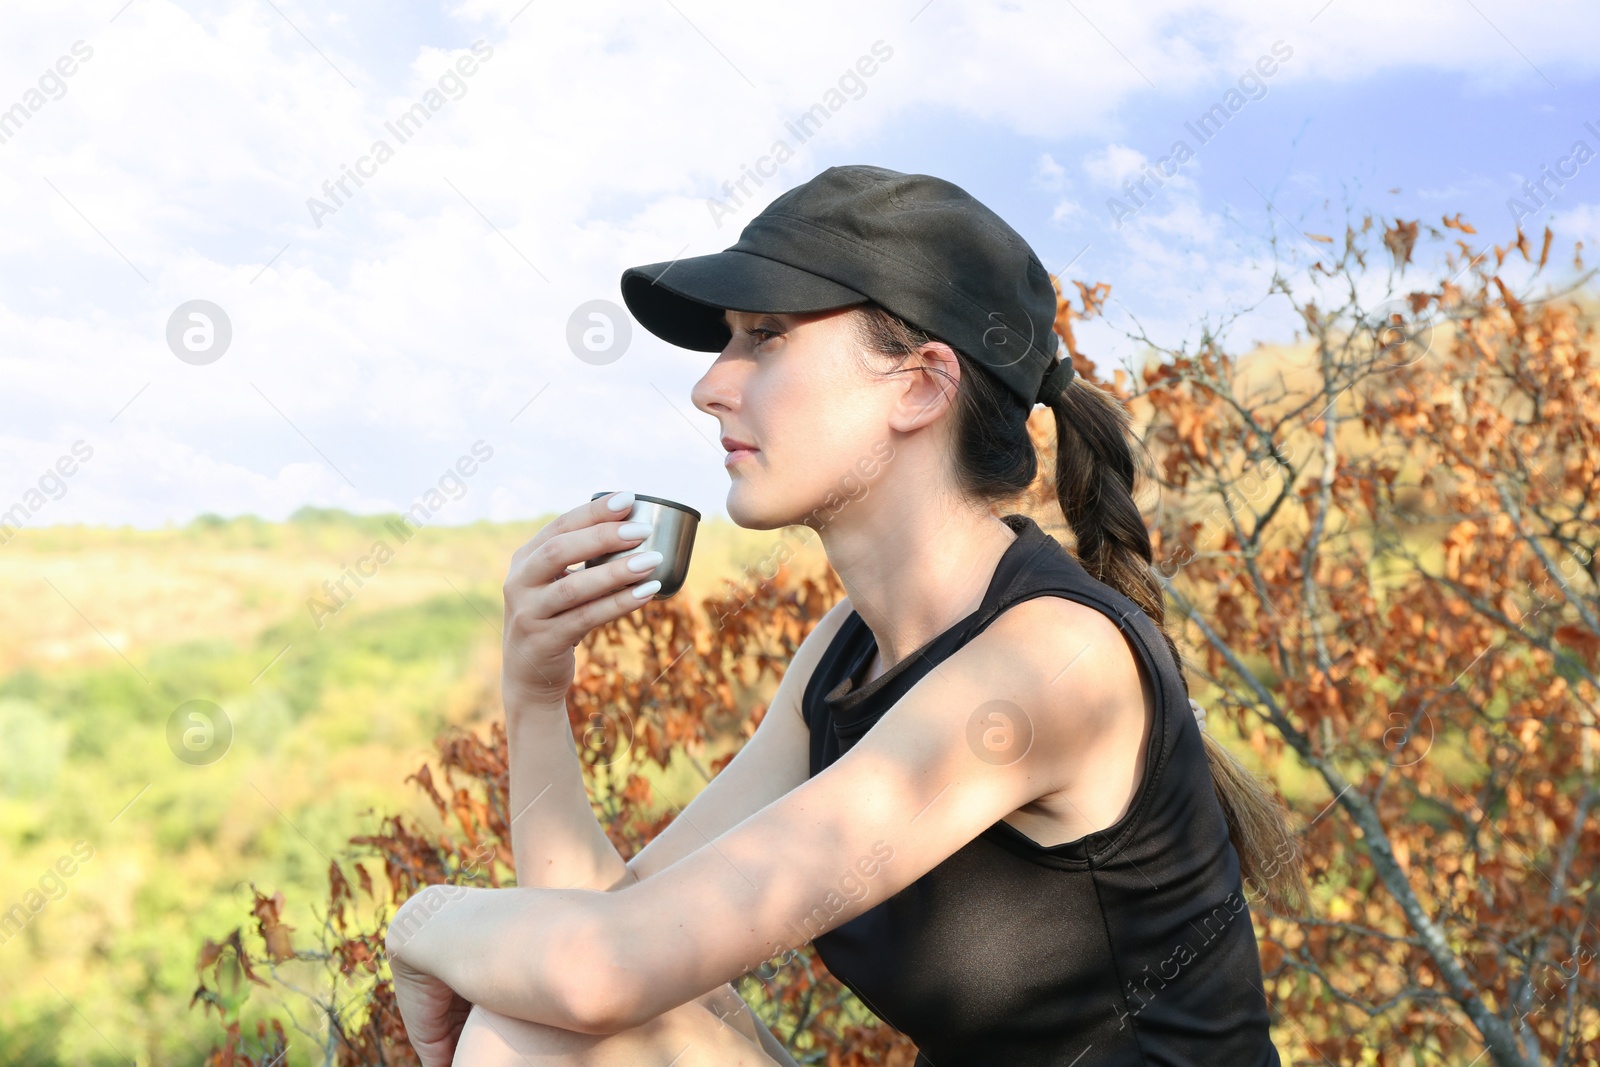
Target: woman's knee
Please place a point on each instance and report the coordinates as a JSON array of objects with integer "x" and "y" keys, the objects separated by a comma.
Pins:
[
  {"x": 689, "y": 1035},
  {"x": 489, "y": 1039}
]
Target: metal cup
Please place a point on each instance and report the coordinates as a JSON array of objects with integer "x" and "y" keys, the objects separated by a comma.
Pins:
[{"x": 673, "y": 526}]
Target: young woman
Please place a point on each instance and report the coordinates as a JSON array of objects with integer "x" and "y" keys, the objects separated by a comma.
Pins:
[{"x": 981, "y": 789}]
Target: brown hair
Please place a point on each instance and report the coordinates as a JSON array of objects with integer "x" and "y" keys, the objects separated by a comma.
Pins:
[{"x": 1096, "y": 470}]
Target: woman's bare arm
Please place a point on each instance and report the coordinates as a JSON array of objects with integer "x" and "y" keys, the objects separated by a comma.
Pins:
[{"x": 556, "y": 841}]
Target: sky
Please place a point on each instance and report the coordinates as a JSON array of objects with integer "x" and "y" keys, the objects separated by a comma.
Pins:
[{"x": 355, "y": 346}]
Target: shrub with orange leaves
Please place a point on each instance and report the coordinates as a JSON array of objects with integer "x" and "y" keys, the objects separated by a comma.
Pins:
[{"x": 1382, "y": 546}]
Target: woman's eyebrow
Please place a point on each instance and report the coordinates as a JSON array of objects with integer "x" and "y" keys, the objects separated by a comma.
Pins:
[{"x": 755, "y": 315}]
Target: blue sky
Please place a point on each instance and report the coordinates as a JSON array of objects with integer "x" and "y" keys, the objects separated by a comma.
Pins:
[{"x": 430, "y": 310}]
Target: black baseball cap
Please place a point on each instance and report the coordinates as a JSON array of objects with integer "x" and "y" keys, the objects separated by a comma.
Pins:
[{"x": 921, "y": 247}]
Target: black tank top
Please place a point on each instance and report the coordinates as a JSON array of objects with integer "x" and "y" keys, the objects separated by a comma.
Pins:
[{"x": 1131, "y": 945}]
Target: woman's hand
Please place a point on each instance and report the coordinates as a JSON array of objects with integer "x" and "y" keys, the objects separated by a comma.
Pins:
[
  {"x": 549, "y": 610},
  {"x": 433, "y": 1013}
]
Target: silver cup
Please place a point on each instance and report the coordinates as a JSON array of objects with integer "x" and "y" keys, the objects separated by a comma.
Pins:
[{"x": 673, "y": 527}]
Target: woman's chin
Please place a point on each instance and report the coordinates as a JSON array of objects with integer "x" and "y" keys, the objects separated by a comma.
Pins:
[
  {"x": 746, "y": 511},
  {"x": 740, "y": 508}
]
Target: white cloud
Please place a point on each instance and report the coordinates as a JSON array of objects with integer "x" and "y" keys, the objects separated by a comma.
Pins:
[
  {"x": 1048, "y": 174},
  {"x": 1577, "y": 222},
  {"x": 1114, "y": 163},
  {"x": 1065, "y": 209}
]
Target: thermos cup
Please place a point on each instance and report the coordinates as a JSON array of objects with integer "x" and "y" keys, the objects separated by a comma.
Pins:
[{"x": 672, "y": 529}]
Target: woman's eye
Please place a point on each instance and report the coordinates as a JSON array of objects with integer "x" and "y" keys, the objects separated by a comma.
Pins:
[{"x": 769, "y": 333}]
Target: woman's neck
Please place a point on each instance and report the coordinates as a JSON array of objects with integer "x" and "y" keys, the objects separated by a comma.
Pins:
[{"x": 911, "y": 581}]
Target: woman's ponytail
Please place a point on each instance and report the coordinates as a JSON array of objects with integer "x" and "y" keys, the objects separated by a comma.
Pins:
[{"x": 1096, "y": 470}]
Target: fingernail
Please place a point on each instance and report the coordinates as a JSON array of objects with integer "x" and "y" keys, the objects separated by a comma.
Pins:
[
  {"x": 620, "y": 501},
  {"x": 644, "y": 561},
  {"x": 632, "y": 531},
  {"x": 647, "y": 588}
]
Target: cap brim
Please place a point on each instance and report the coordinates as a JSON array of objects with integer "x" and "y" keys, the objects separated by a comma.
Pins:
[{"x": 682, "y": 301}]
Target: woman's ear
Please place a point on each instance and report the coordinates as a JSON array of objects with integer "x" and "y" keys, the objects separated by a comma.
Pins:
[{"x": 929, "y": 377}]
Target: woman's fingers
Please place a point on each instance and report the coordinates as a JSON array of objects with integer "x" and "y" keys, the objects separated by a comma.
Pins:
[
  {"x": 570, "y": 607},
  {"x": 546, "y": 564},
  {"x": 585, "y": 517},
  {"x": 555, "y": 590}
]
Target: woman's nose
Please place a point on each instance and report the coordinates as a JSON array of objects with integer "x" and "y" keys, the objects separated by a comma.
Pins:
[{"x": 718, "y": 385}]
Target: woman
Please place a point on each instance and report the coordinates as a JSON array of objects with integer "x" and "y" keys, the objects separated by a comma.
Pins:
[{"x": 980, "y": 789}]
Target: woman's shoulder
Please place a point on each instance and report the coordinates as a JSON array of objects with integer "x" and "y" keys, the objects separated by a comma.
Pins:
[
  {"x": 1095, "y": 713},
  {"x": 1066, "y": 637},
  {"x": 1051, "y": 614}
]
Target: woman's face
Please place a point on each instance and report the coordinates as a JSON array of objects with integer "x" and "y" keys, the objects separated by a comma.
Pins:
[{"x": 796, "y": 388}]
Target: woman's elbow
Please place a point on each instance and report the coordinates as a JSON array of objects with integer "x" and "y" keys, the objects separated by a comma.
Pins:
[
  {"x": 594, "y": 1009},
  {"x": 597, "y": 987}
]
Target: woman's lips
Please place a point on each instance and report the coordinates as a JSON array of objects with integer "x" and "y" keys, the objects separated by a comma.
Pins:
[{"x": 737, "y": 454}]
